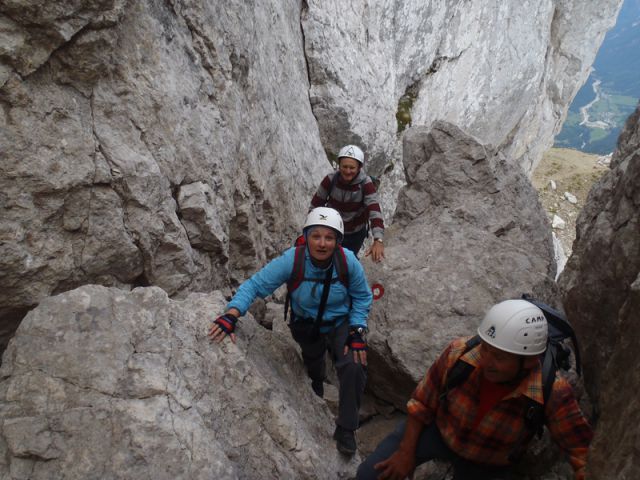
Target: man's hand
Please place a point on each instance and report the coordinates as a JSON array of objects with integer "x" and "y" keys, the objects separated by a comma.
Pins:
[
  {"x": 376, "y": 251},
  {"x": 222, "y": 326},
  {"x": 398, "y": 466}
]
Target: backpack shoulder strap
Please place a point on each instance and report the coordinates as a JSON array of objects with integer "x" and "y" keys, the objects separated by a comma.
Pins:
[
  {"x": 460, "y": 371},
  {"x": 296, "y": 277},
  {"x": 534, "y": 416},
  {"x": 342, "y": 269},
  {"x": 334, "y": 180},
  {"x": 297, "y": 272}
]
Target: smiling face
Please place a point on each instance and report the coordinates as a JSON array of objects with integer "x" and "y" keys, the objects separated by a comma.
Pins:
[
  {"x": 349, "y": 168},
  {"x": 322, "y": 242},
  {"x": 499, "y": 366}
]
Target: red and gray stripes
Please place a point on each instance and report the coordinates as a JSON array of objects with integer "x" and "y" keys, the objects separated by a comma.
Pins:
[{"x": 357, "y": 202}]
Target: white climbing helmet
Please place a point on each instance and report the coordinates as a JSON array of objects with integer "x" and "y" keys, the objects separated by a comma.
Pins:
[
  {"x": 325, "y": 217},
  {"x": 515, "y": 326},
  {"x": 352, "y": 151}
]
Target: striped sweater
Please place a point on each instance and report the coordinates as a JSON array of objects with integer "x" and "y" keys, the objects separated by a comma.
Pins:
[{"x": 357, "y": 202}]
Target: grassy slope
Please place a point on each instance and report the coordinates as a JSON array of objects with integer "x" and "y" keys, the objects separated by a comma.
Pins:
[{"x": 574, "y": 172}]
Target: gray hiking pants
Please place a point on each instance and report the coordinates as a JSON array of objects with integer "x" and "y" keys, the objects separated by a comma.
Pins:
[
  {"x": 352, "y": 376},
  {"x": 430, "y": 447}
]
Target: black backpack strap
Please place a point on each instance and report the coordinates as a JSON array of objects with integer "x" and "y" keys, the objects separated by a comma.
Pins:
[
  {"x": 326, "y": 286},
  {"x": 334, "y": 180},
  {"x": 460, "y": 371}
]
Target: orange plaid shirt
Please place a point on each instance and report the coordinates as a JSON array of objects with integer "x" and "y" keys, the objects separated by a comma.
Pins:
[{"x": 492, "y": 440}]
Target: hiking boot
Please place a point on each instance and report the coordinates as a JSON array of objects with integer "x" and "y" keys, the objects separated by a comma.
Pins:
[
  {"x": 318, "y": 387},
  {"x": 345, "y": 440}
]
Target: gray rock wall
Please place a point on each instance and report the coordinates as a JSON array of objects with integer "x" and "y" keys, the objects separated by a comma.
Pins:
[
  {"x": 601, "y": 288},
  {"x": 505, "y": 72},
  {"x": 101, "y": 383},
  {"x": 150, "y": 143}
]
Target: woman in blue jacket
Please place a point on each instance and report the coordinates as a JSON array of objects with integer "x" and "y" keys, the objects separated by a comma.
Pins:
[{"x": 339, "y": 325}]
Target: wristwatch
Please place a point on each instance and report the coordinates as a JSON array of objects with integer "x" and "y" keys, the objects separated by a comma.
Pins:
[
  {"x": 360, "y": 330},
  {"x": 378, "y": 240}
]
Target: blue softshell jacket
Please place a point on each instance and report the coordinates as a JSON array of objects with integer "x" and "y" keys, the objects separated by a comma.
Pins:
[{"x": 352, "y": 303}]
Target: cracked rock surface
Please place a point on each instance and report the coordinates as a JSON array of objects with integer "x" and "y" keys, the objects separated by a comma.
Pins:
[
  {"x": 601, "y": 290},
  {"x": 149, "y": 143},
  {"x": 101, "y": 383}
]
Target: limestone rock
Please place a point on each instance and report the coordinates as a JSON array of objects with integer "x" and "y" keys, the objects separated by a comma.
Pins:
[
  {"x": 103, "y": 383},
  {"x": 149, "y": 143},
  {"x": 570, "y": 197},
  {"x": 200, "y": 217},
  {"x": 601, "y": 285},
  {"x": 559, "y": 255},
  {"x": 505, "y": 72},
  {"x": 558, "y": 223},
  {"x": 469, "y": 231}
]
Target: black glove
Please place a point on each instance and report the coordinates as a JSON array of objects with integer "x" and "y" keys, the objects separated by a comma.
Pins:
[
  {"x": 227, "y": 323},
  {"x": 355, "y": 340}
]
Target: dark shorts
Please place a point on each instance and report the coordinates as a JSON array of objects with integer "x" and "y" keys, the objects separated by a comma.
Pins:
[{"x": 354, "y": 241}]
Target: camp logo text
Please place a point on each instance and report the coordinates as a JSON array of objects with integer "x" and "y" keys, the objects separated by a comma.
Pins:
[{"x": 539, "y": 318}]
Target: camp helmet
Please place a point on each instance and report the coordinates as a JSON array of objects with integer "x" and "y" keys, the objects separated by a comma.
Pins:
[
  {"x": 352, "y": 151},
  {"x": 325, "y": 217},
  {"x": 515, "y": 326}
]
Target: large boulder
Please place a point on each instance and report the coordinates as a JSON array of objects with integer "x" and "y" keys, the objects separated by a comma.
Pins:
[
  {"x": 101, "y": 383},
  {"x": 469, "y": 231},
  {"x": 601, "y": 291}
]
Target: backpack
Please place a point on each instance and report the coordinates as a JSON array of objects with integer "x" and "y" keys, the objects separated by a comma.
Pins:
[
  {"x": 557, "y": 355},
  {"x": 297, "y": 272}
]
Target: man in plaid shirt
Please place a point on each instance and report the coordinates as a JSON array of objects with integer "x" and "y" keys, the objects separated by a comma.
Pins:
[{"x": 479, "y": 424}]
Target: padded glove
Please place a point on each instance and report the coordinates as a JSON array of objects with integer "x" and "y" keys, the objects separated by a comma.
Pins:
[
  {"x": 227, "y": 323},
  {"x": 356, "y": 340}
]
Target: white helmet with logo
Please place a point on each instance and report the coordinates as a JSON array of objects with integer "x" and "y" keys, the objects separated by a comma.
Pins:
[
  {"x": 515, "y": 326},
  {"x": 352, "y": 151},
  {"x": 325, "y": 217}
]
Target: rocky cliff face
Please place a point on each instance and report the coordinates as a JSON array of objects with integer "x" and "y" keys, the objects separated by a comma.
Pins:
[
  {"x": 176, "y": 143},
  {"x": 150, "y": 143},
  {"x": 601, "y": 285},
  {"x": 503, "y": 71}
]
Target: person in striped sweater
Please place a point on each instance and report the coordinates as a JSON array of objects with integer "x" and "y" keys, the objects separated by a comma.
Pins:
[{"x": 351, "y": 192}]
